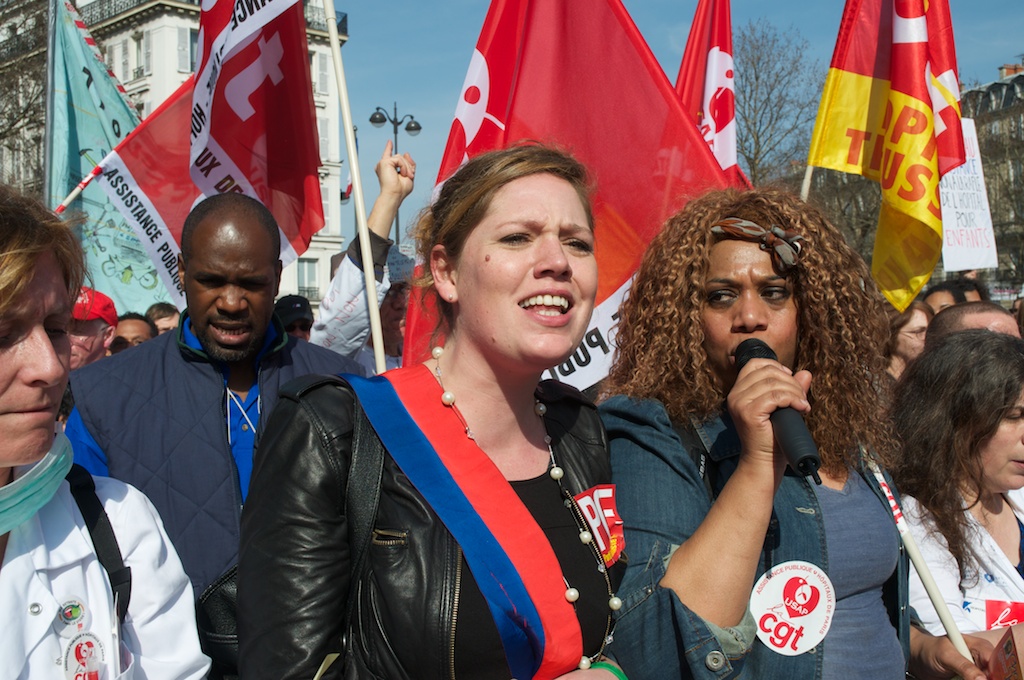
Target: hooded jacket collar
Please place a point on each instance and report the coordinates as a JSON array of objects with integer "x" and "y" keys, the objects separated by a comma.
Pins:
[{"x": 189, "y": 344}]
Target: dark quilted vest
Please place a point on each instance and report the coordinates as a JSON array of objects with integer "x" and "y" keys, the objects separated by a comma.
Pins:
[{"x": 158, "y": 413}]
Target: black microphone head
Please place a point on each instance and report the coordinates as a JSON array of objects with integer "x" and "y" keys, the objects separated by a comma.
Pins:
[{"x": 753, "y": 349}]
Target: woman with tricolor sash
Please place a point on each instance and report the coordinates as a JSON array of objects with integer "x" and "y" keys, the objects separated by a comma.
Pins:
[
  {"x": 752, "y": 331},
  {"x": 452, "y": 519}
]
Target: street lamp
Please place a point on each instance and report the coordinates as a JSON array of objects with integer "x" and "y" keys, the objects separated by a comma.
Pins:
[{"x": 377, "y": 119}]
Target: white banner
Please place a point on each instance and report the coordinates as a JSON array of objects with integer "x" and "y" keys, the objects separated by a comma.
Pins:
[
  {"x": 221, "y": 175},
  {"x": 967, "y": 238},
  {"x": 138, "y": 211},
  {"x": 245, "y": 24},
  {"x": 592, "y": 360}
]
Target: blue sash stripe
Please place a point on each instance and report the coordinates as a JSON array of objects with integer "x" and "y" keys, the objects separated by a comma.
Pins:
[{"x": 517, "y": 619}]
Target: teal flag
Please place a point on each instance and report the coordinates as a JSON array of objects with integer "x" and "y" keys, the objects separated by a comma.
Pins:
[{"x": 89, "y": 115}]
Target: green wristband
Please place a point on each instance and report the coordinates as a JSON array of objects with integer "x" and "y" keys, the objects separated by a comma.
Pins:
[{"x": 614, "y": 670}]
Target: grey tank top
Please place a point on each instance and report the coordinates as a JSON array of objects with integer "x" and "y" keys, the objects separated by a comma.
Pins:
[{"x": 863, "y": 548}]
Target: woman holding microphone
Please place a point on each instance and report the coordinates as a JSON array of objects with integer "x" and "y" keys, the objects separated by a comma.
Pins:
[{"x": 737, "y": 563}]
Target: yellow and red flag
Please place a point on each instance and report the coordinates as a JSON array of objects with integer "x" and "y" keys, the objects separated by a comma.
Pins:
[{"x": 891, "y": 112}]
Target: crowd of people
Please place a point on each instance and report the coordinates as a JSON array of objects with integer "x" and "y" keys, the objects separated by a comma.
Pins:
[{"x": 227, "y": 491}]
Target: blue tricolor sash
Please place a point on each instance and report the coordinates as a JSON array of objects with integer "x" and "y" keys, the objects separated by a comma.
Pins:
[{"x": 509, "y": 555}]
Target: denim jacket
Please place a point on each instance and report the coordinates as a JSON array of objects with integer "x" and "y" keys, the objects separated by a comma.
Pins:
[{"x": 663, "y": 499}]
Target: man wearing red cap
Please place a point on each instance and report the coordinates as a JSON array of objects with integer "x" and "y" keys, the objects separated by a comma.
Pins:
[{"x": 92, "y": 327}]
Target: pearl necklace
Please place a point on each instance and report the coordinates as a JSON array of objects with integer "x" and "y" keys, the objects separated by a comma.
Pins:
[{"x": 556, "y": 473}]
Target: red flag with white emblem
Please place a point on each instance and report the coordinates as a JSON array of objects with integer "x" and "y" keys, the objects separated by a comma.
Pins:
[
  {"x": 253, "y": 112},
  {"x": 246, "y": 126},
  {"x": 706, "y": 83},
  {"x": 596, "y": 90}
]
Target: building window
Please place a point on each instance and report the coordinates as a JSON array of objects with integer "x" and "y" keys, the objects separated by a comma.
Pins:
[
  {"x": 323, "y": 127},
  {"x": 138, "y": 72},
  {"x": 188, "y": 45},
  {"x": 125, "y": 73},
  {"x": 147, "y": 53},
  {"x": 308, "y": 287},
  {"x": 143, "y": 54},
  {"x": 319, "y": 65},
  {"x": 326, "y": 203},
  {"x": 321, "y": 73},
  {"x": 17, "y": 166}
]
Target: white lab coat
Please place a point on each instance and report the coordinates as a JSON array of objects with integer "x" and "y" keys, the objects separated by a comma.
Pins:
[
  {"x": 997, "y": 579},
  {"x": 367, "y": 360},
  {"x": 50, "y": 564}
]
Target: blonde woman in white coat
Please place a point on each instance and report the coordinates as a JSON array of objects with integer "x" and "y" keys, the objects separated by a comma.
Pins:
[
  {"x": 55, "y": 597},
  {"x": 959, "y": 413}
]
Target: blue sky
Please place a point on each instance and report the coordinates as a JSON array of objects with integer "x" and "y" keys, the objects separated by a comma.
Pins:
[{"x": 416, "y": 53}]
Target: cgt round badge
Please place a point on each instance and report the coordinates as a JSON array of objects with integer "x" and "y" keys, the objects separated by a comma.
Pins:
[
  {"x": 793, "y": 605},
  {"x": 84, "y": 658}
]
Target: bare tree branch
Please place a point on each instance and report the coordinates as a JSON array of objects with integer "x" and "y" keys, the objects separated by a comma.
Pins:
[{"x": 777, "y": 90}]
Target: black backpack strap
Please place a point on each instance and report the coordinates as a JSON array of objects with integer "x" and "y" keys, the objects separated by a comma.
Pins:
[{"x": 107, "y": 551}]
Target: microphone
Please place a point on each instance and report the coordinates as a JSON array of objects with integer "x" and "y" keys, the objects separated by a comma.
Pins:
[{"x": 790, "y": 429}]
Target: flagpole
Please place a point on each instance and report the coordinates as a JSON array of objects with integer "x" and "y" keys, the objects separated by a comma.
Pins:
[
  {"x": 357, "y": 189},
  {"x": 77, "y": 190},
  {"x": 917, "y": 559},
  {"x": 51, "y": 43},
  {"x": 805, "y": 188}
]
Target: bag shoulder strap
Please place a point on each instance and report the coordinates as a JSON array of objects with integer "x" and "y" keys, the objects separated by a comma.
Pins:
[
  {"x": 700, "y": 451},
  {"x": 366, "y": 467},
  {"x": 107, "y": 550},
  {"x": 362, "y": 490}
]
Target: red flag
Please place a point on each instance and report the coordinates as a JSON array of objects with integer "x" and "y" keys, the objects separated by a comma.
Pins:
[
  {"x": 247, "y": 127},
  {"x": 346, "y": 193},
  {"x": 579, "y": 75},
  {"x": 890, "y": 111},
  {"x": 706, "y": 83}
]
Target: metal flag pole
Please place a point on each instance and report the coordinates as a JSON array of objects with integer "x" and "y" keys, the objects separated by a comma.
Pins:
[
  {"x": 51, "y": 43},
  {"x": 357, "y": 189},
  {"x": 805, "y": 188},
  {"x": 77, "y": 190},
  {"x": 941, "y": 608}
]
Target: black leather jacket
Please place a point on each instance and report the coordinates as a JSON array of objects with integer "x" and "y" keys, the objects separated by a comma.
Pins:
[{"x": 294, "y": 568}]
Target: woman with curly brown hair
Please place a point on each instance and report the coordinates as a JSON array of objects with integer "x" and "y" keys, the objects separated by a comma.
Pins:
[
  {"x": 708, "y": 504},
  {"x": 962, "y": 469}
]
